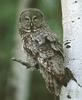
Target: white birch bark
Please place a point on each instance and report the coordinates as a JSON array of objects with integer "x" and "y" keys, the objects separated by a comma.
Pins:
[
  {"x": 22, "y": 76},
  {"x": 72, "y": 29}
]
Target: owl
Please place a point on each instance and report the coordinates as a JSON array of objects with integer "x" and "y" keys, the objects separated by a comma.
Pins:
[{"x": 44, "y": 51}]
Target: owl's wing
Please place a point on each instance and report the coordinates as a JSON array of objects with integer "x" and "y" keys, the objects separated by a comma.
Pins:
[
  {"x": 55, "y": 44},
  {"x": 57, "y": 68}
]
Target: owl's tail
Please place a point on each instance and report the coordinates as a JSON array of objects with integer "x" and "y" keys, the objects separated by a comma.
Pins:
[{"x": 69, "y": 76}]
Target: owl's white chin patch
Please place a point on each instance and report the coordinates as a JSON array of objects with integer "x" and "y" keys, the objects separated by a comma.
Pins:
[
  {"x": 36, "y": 30},
  {"x": 31, "y": 30},
  {"x": 28, "y": 31}
]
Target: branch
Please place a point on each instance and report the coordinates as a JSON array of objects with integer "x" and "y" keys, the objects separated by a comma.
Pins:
[
  {"x": 21, "y": 62},
  {"x": 27, "y": 65}
]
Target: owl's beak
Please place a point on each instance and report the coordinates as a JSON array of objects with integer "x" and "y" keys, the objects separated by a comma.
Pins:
[{"x": 31, "y": 24}]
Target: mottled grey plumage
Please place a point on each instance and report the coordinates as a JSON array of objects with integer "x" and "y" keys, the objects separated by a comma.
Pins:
[{"x": 43, "y": 49}]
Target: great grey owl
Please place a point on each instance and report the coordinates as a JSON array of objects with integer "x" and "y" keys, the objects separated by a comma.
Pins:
[{"x": 44, "y": 51}]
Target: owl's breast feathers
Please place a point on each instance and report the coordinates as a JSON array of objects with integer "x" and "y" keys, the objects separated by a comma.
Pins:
[{"x": 45, "y": 48}]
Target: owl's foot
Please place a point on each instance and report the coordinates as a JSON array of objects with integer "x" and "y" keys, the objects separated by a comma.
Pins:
[{"x": 21, "y": 62}]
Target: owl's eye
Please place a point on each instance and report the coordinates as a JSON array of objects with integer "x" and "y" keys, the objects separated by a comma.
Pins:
[
  {"x": 27, "y": 19},
  {"x": 34, "y": 18}
]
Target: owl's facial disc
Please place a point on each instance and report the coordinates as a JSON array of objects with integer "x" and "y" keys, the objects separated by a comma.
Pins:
[
  {"x": 33, "y": 24},
  {"x": 31, "y": 20}
]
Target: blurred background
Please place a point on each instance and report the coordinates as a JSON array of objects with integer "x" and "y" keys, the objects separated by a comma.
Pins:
[{"x": 16, "y": 82}]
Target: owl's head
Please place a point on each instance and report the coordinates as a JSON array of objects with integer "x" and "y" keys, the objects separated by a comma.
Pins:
[{"x": 31, "y": 19}]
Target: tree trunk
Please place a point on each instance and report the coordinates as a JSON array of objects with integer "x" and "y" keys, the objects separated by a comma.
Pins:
[{"x": 72, "y": 28}]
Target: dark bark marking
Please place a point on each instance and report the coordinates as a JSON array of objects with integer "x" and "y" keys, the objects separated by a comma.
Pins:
[
  {"x": 68, "y": 46},
  {"x": 68, "y": 96}
]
